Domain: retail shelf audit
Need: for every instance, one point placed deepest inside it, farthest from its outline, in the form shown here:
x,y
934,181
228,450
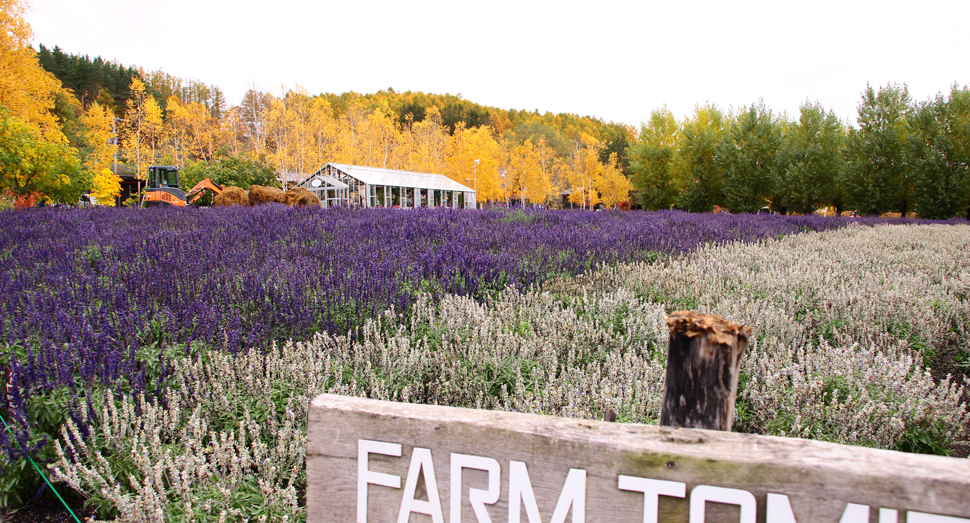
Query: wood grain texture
x,y
702,370
818,478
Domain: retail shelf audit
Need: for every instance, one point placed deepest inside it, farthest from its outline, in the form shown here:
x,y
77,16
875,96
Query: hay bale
x,y
301,197
260,194
231,196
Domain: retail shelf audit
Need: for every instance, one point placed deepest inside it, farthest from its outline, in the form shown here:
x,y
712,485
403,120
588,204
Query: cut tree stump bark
x,y
702,370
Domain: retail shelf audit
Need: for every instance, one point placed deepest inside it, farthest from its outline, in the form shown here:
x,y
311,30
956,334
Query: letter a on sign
x,y
421,464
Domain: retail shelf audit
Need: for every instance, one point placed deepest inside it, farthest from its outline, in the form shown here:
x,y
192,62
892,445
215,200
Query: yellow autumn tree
x,y
349,142
299,120
176,129
98,153
613,186
379,141
26,89
473,160
232,129
584,170
35,158
191,132
301,133
428,143
528,178
154,131
324,132
143,121
278,135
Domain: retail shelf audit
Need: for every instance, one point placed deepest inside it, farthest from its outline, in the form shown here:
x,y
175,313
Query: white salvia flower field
x,y
847,324
851,329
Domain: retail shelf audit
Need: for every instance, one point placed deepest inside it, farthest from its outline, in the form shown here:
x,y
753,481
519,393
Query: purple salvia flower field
x,y
87,288
105,303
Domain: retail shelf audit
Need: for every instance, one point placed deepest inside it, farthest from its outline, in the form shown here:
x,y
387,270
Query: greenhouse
x,y
341,184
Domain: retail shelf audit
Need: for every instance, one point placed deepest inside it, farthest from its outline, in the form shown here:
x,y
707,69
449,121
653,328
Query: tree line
x,y
157,118
902,157
65,119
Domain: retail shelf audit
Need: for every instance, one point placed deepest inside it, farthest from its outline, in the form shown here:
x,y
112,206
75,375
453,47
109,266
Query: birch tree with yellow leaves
x,y
299,118
323,128
613,186
474,159
528,177
142,123
379,141
585,171
98,153
428,143
279,143
192,131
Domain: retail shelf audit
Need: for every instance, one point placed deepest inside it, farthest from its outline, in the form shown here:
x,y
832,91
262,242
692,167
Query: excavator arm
x,y
200,188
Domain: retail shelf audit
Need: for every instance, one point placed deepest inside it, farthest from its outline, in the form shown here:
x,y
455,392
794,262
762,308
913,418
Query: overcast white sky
x,y
615,60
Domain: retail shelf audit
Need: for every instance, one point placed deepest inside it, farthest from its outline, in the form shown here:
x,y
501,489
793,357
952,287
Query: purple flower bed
x,y
98,283
85,290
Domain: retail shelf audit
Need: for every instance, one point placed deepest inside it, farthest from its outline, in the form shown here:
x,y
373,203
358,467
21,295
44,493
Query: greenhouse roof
x,y
397,178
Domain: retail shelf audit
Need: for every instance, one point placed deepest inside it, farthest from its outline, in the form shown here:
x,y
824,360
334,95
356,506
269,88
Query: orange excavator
x,y
200,189
163,188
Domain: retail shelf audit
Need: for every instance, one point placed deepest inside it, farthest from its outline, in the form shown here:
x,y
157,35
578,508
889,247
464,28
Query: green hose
x,y
43,476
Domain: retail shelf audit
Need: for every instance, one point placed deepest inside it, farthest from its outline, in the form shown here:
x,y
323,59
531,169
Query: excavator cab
x,y
163,176
163,187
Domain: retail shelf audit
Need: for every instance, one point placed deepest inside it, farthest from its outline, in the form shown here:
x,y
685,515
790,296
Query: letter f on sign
x,y
364,476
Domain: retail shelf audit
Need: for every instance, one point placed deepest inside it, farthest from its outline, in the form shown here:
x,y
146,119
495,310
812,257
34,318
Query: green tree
x,y
652,160
617,142
876,180
697,162
233,170
108,83
939,147
807,178
535,131
463,111
32,163
746,154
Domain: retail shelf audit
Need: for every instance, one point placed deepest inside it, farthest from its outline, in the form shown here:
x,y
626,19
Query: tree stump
x,y
702,370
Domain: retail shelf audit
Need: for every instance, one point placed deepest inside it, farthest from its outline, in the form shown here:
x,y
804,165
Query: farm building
x,y
341,184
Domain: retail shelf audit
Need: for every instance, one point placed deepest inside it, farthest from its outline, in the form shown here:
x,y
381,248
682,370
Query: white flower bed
x,y
842,322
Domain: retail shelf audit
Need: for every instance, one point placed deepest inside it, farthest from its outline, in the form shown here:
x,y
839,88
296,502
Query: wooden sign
x,y
372,461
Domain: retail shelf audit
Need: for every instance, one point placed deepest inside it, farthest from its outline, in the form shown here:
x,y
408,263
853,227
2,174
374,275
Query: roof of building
x,y
333,182
396,178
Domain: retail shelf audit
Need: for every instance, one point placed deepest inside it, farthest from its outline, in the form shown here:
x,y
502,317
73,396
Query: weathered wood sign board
x,y
371,461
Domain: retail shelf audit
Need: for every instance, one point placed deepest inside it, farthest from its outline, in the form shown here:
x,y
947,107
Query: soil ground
x,y
46,511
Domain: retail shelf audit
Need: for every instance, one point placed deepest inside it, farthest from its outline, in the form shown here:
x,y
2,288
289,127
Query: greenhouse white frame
x,y
342,184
